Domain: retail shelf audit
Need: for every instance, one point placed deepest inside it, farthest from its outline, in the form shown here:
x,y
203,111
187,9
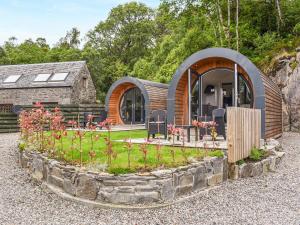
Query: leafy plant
x,y
109,152
144,150
128,146
240,162
216,153
21,146
256,154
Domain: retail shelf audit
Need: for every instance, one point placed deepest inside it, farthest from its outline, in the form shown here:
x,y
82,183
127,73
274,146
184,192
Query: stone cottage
x,y
60,83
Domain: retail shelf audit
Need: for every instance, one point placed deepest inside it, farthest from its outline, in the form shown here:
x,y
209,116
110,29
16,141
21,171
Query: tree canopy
x,y
150,43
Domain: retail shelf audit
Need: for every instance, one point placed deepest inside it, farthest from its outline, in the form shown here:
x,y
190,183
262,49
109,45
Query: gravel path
x,y
269,199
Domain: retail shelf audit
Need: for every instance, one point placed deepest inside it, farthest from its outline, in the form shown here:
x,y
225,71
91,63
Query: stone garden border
x,y
154,189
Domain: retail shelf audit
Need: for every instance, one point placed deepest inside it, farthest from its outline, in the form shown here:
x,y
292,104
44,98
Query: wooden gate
x,y
243,132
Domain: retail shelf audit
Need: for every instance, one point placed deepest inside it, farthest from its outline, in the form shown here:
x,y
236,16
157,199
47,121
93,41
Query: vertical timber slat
x,y
244,132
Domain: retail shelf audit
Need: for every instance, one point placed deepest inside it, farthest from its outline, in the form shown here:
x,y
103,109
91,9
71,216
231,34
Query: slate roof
x,y
30,71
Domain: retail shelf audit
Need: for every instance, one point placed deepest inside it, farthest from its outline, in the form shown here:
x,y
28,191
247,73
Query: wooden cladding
x,y
243,132
155,96
114,102
273,98
273,110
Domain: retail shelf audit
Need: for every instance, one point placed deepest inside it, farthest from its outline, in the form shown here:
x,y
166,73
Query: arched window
x,y
132,106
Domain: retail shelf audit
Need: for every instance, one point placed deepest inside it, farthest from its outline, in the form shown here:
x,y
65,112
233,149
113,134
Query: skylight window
x,y
59,77
12,79
42,77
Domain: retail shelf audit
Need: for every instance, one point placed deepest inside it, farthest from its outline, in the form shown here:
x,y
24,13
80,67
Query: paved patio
x,y
191,144
125,127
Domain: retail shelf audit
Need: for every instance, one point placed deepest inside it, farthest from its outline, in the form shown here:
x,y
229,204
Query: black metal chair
x,y
157,123
86,118
218,117
17,109
100,118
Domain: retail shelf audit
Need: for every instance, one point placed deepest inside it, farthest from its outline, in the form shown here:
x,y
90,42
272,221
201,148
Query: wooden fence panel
x,y
243,132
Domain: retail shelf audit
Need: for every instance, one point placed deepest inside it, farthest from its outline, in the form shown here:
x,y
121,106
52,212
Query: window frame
x,y
39,81
12,82
53,75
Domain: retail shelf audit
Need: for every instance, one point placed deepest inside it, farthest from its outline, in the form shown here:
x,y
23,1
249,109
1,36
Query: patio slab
x,y
192,144
119,128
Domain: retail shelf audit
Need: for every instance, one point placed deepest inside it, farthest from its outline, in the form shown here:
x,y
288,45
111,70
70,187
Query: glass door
x,y
139,107
132,106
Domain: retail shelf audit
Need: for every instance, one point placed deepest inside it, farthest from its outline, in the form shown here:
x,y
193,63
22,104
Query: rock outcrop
x,y
287,76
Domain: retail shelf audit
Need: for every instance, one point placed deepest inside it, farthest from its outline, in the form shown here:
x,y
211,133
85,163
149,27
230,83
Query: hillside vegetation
x,y
150,43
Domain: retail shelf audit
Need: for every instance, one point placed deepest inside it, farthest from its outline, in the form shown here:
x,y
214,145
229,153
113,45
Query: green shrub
x,y
256,154
120,170
296,29
240,162
216,153
21,147
293,65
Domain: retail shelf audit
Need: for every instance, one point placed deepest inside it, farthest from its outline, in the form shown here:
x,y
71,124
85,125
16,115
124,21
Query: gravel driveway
x,y
269,199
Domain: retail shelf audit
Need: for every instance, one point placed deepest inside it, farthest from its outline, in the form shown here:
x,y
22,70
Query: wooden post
x,y
189,97
235,85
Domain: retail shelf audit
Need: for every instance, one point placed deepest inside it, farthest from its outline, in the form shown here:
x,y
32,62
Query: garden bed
x,y
102,169
158,186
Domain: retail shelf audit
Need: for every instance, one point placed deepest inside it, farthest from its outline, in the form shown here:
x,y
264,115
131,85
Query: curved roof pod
x,y
154,93
212,58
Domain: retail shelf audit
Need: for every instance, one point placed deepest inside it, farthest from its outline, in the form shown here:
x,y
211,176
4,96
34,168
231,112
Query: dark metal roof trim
x,y
236,57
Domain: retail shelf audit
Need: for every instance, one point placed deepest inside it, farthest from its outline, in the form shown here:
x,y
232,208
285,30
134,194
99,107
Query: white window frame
x,y
17,77
42,74
60,80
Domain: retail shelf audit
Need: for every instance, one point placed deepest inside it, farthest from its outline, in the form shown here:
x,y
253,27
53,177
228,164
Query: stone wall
x,y
84,90
62,95
161,186
252,169
154,187
287,76
79,93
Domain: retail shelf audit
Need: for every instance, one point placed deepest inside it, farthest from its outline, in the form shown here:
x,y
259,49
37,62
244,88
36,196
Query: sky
x,y
51,19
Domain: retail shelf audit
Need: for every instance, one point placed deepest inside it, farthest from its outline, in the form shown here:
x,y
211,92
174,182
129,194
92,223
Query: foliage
x,y
120,170
45,131
256,154
150,43
128,146
240,162
144,150
216,153
21,146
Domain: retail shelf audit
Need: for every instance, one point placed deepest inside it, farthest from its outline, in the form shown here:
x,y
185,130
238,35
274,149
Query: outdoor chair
x,y
157,123
96,118
17,109
86,118
218,117
100,118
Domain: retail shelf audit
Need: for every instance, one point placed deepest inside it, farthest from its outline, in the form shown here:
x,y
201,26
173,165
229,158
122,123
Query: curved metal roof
x,y
253,72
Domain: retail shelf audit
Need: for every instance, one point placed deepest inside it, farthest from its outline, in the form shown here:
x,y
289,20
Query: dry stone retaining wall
x,y
157,186
160,186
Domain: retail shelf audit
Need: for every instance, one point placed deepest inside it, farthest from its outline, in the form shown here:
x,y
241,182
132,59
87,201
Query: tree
x,y
237,25
71,40
127,35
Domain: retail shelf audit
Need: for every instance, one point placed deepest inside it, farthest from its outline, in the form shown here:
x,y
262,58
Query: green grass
x,y
120,163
